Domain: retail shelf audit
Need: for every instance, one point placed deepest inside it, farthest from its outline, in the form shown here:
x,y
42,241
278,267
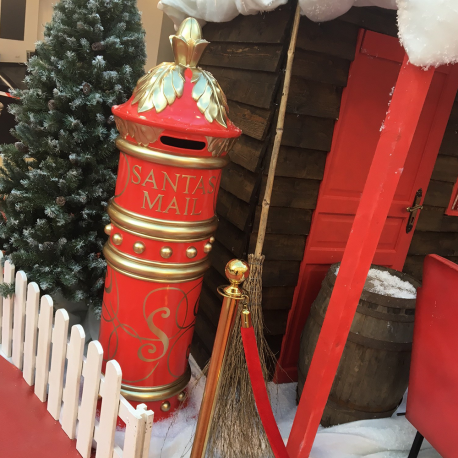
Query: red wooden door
x,y
365,102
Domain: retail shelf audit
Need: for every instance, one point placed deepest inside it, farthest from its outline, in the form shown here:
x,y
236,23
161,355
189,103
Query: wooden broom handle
x,y
278,137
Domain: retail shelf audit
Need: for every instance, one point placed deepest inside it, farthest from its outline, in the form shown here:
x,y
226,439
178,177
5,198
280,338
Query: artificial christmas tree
x,y
57,179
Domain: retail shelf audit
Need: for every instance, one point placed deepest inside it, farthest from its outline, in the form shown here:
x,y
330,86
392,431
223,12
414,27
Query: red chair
x,y
432,402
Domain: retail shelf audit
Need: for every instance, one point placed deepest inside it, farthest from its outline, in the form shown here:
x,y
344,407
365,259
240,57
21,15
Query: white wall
x,y
152,23
44,16
15,50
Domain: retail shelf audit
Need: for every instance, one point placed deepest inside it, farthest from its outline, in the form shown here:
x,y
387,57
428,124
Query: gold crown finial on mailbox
x,y
188,44
163,84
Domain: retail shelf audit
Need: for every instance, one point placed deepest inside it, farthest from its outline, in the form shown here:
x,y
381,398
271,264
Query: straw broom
x,y
237,430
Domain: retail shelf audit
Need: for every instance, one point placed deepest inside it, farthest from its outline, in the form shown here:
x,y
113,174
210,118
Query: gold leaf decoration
x,y
209,96
162,85
159,87
217,146
144,135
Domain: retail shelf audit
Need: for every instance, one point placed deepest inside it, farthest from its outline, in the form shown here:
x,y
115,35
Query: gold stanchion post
x,y
237,272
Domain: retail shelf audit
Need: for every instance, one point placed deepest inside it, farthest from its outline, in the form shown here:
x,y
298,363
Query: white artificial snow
x,y
384,438
426,27
427,30
386,284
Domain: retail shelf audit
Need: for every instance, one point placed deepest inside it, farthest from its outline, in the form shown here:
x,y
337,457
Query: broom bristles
x,y
237,429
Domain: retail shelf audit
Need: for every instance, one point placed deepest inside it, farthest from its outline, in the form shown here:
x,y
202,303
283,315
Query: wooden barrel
x,y
374,370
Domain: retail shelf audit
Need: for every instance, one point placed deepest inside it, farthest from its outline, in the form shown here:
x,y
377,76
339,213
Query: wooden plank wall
x,y
436,232
247,56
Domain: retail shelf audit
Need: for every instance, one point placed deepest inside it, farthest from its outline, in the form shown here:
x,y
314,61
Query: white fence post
x,y
27,333
7,319
86,415
31,332
110,390
148,417
19,319
135,430
44,347
71,393
59,351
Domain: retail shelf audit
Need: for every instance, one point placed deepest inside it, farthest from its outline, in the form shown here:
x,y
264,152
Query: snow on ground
x,y
426,27
386,284
384,438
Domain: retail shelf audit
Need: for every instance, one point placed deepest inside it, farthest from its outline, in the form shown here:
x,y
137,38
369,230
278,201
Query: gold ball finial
x,y
237,271
190,29
188,44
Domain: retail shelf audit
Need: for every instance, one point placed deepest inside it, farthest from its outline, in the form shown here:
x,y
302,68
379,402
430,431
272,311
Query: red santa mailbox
x,y
174,138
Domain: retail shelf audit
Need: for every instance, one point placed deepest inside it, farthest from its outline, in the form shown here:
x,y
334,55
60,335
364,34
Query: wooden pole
x,y
278,137
399,128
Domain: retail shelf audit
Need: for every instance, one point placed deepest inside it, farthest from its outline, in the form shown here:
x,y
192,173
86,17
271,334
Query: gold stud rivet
x,y
117,239
165,406
166,252
108,229
212,239
139,248
208,247
191,252
182,396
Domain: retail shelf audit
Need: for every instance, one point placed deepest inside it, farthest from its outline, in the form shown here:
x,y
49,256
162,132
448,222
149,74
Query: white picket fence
x,y
27,335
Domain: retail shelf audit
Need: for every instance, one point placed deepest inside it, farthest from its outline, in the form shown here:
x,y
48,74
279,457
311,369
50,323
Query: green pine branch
x,y
57,178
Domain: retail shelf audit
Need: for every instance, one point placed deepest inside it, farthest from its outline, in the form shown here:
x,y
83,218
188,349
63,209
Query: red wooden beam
x,y
400,123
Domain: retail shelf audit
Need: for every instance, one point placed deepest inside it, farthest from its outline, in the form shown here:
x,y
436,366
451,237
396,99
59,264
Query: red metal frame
x,y
395,140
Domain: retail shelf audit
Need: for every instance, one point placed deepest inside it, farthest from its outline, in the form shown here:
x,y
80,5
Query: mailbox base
x,y
163,400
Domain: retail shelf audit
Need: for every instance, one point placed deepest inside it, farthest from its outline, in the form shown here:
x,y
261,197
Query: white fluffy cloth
x,y
325,10
215,10
427,28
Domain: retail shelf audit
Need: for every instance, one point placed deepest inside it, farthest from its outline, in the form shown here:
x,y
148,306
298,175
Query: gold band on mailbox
x,y
156,229
174,160
156,393
161,272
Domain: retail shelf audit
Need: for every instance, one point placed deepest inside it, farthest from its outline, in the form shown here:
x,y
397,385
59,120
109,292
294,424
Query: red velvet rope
x,y
260,393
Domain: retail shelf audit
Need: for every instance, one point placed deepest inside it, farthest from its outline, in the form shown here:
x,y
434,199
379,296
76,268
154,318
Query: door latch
x,y
414,209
